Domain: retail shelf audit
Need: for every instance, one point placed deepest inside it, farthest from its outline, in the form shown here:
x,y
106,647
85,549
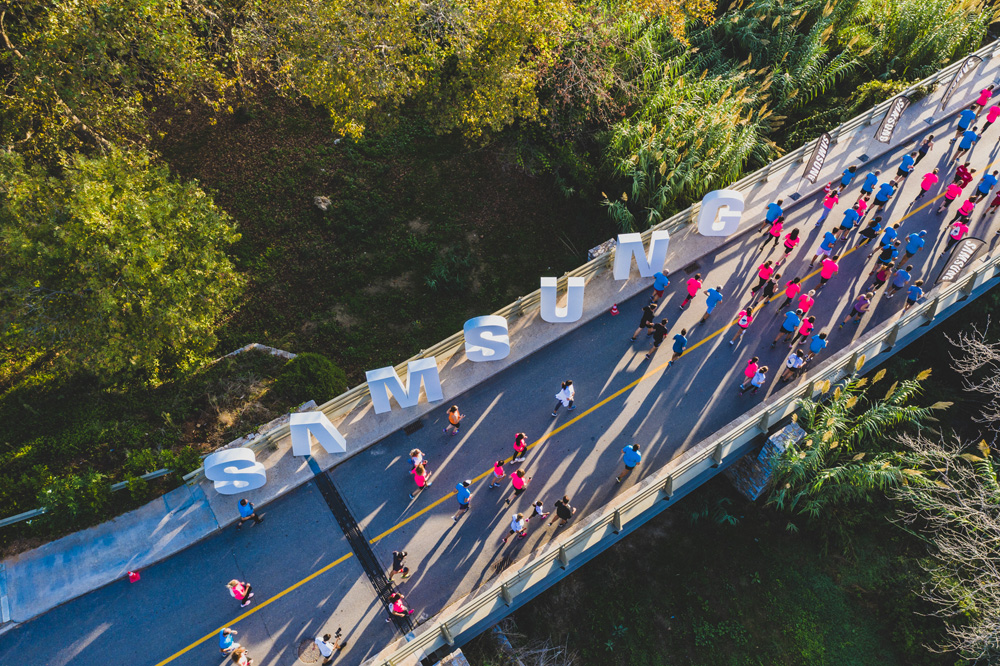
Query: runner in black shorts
x,y
659,332
397,564
646,322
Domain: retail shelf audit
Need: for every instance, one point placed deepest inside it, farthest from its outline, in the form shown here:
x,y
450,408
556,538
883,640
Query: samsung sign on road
x,y
818,157
963,254
888,126
486,339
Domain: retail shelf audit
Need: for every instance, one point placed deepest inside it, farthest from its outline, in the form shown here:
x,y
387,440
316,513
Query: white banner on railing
x,y
962,255
818,157
971,63
888,126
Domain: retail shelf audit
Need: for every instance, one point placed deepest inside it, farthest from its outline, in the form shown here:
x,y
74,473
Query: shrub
x,y
310,376
76,499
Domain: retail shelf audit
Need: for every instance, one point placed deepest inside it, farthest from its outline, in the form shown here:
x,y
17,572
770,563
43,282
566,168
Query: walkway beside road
x,y
305,573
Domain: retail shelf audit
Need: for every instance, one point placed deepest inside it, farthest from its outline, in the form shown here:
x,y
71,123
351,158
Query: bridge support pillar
x,y
717,455
506,595
562,557
890,341
668,487
446,634
616,521
932,310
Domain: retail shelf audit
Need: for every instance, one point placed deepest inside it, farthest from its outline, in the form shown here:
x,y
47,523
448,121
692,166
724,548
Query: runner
x,y
758,380
773,234
956,233
563,511
994,204
816,345
805,330
646,322
848,176
631,457
983,99
991,117
986,184
806,301
454,420
859,309
567,392
240,591
906,165
969,138
792,289
965,119
964,211
963,176
397,565
924,147
829,201
247,512
888,238
693,286
769,289
743,320
660,282
851,220
882,275
887,257
914,243
660,331
764,271
398,607
900,279
826,246
871,232
241,657
713,298
789,326
929,180
793,364
680,344
774,212
913,294
464,497
421,477
871,181
885,192
326,648
950,194
519,526
498,474
519,483
749,371
538,509
862,204
416,457
520,446
828,270
226,643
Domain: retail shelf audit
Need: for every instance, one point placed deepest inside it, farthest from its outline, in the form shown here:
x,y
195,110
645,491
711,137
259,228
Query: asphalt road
x,y
183,599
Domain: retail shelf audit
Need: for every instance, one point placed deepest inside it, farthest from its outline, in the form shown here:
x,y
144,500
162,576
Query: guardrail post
x,y
668,487
717,455
890,341
871,117
932,310
968,287
810,389
852,365
616,521
562,557
516,312
765,421
446,634
505,594
803,153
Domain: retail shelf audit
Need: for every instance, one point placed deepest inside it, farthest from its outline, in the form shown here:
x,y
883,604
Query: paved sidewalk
x,y
183,599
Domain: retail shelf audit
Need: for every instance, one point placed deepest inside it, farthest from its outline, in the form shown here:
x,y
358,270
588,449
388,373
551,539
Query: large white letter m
x,y
385,381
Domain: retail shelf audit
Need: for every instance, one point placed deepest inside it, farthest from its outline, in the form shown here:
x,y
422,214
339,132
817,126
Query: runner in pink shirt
x,y
750,370
829,201
806,301
929,181
965,211
693,285
829,269
984,98
805,330
950,195
764,271
991,117
743,320
774,233
792,290
862,206
956,233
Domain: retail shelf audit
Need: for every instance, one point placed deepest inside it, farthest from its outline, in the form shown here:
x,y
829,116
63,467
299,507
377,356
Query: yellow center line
x,y
650,374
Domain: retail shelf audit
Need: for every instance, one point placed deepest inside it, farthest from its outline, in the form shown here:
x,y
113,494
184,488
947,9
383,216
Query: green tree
x,y
113,265
827,472
83,74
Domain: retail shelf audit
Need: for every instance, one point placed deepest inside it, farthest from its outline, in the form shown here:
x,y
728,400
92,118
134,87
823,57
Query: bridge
x,y
319,560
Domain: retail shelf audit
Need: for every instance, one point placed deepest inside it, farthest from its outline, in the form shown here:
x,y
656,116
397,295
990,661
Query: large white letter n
x,y
630,245
385,381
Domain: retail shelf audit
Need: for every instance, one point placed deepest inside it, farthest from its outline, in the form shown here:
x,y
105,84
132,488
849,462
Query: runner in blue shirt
x,y
789,326
899,280
888,237
816,345
965,119
774,211
885,191
969,137
631,457
226,643
714,298
913,294
848,176
871,180
660,282
464,497
906,166
680,342
826,246
851,218
988,182
914,243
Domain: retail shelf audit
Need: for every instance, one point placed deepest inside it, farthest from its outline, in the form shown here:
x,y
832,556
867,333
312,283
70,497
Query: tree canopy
x,y
114,266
